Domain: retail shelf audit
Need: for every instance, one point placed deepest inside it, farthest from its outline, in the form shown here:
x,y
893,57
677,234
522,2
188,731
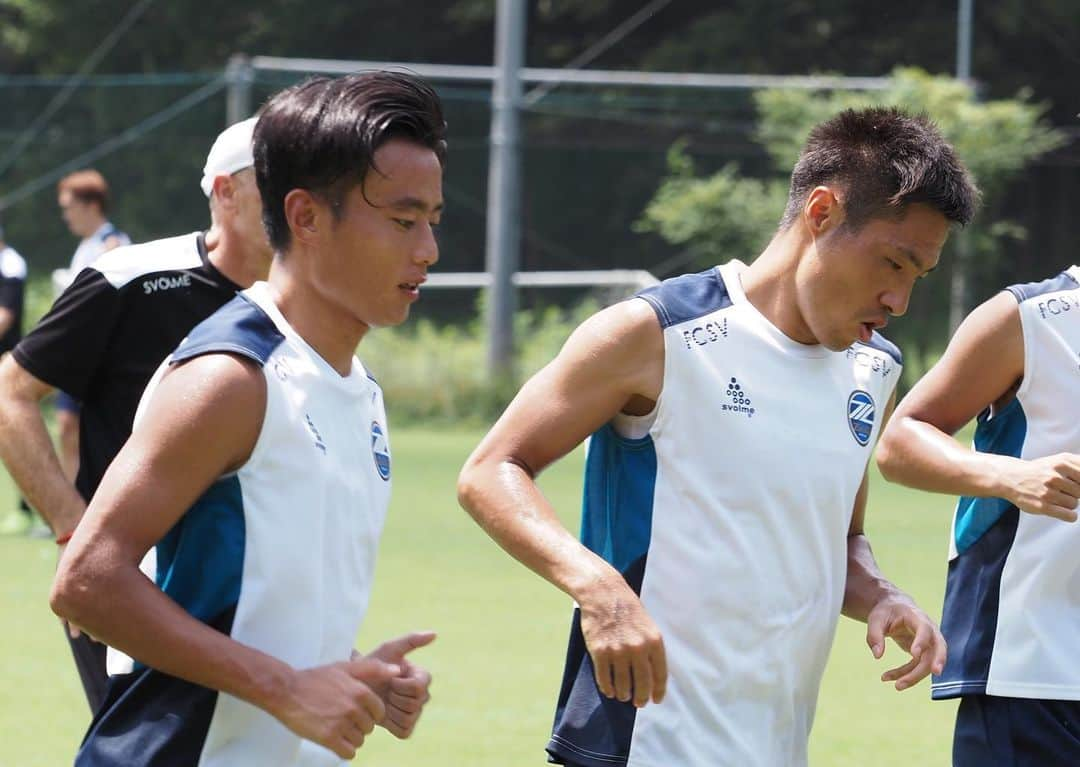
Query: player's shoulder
x,y
1065,281
122,266
12,265
241,327
881,346
687,297
626,329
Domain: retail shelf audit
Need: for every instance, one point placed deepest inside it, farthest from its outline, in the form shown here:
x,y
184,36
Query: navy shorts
x,y
65,401
992,731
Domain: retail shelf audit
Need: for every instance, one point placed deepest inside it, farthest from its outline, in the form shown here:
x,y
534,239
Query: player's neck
x,y
771,285
332,332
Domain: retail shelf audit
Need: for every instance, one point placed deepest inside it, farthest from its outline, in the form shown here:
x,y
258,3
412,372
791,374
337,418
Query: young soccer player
x,y
732,414
1012,606
259,468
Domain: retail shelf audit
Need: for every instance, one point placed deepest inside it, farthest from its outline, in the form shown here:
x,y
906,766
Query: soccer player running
x,y
106,335
259,467
1012,603
732,414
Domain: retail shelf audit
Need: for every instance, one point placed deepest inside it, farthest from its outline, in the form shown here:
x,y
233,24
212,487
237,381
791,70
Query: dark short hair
x,y
885,160
322,135
86,186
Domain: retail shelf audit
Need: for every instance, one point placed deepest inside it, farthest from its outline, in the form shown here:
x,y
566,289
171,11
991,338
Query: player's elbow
x,y
73,589
468,486
476,483
889,452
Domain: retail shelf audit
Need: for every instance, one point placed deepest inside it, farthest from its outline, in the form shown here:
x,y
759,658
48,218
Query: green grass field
x,y
502,631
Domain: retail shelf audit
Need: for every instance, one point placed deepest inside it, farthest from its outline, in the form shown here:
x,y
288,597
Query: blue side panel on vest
x,y
969,618
620,481
883,344
1002,435
151,719
984,532
1063,281
591,730
239,327
200,561
687,297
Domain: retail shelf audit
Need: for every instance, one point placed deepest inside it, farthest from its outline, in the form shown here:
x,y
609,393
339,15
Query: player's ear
x,y
823,210
304,215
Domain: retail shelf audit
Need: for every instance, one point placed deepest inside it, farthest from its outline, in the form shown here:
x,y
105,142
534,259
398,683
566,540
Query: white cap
x,y
231,152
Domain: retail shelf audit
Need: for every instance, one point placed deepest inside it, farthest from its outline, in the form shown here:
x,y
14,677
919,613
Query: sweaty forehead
x,y
405,172
921,232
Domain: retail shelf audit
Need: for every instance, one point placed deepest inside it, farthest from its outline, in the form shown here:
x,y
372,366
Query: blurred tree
x,y
593,157
716,217
726,215
55,36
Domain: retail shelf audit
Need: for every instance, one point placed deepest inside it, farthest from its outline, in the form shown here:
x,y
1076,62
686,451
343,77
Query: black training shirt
x,y
110,330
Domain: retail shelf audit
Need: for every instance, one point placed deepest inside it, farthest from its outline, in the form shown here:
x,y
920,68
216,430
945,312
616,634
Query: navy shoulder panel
x,y
1063,281
239,327
883,344
687,297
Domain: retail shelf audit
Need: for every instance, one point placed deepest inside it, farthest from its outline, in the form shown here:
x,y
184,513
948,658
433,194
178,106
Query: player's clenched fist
x,y
405,694
1049,486
626,647
336,705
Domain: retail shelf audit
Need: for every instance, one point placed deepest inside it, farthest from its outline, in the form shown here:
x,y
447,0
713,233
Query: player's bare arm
x,y
613,362
202,422
887,611
982,366
28,452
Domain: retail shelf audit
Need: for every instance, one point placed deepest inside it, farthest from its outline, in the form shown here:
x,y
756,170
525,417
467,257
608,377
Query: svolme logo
x,y
166,283
738,400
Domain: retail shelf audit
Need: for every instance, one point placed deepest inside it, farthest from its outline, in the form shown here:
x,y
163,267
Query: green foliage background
x,y
725,214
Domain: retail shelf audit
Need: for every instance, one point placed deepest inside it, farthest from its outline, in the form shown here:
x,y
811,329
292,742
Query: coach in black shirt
x,y
106,335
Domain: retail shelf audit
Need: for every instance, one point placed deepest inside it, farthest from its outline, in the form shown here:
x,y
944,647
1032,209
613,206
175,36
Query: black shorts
x,y
992,731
